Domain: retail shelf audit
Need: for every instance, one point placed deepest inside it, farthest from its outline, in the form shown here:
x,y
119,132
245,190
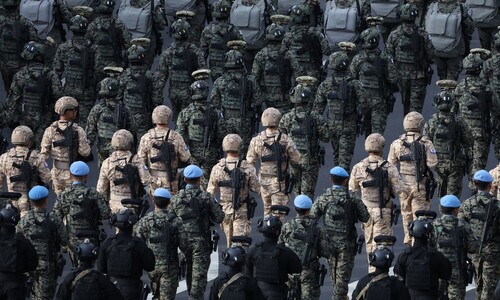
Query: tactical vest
x,y
217,47
233,94
482,11
372,67
418,269
14,35
137,94
106,33
37,90
299,47
8,255
298,239
236,290
138,20
380,289
273,68
79,69
107,123
184,62
471,103
162,143
341,22
274,147
388,9
121,258
163,239
72,3
405,49
41,13
445,29
43,237
334,218
192,212
298,132
238,175
83,211
86,287
196,130
447,232
22,170
478,215
171,7
250,21
444,136
267,267
341,99
495,77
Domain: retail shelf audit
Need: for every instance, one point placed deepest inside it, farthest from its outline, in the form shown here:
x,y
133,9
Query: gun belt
x,y
62,165
158,173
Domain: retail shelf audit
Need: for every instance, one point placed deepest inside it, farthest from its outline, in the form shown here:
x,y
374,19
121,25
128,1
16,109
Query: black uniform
x,y
245,287
123,258
386,288
270,264
17,256
421,268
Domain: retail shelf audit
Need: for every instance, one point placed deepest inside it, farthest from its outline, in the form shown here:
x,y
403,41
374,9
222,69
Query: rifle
x,y
311,239
489,223
58,21
145,86
380,181
140,206
276,155
208,11
182,268
467,38
350,219
115,40
322,274
130,177
20,34
70,141
460,244
3,144
430,185
359,243
309,129
215,240
28,286
167,156
10,195
120,115
418,156
396,211
251,205
295,292
28,175
61,262
208,123
290,181
156,30
360,122
145,291
361,23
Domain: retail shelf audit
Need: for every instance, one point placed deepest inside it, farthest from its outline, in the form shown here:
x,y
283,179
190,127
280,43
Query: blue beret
x,y
450,201
339,171
302,201
79,168
483,175
161,192
38,192
193,171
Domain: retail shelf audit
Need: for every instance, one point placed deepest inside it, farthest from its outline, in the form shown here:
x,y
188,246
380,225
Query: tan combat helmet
x,y
237,45
83,11
122,140
280,19
185,14
113,71
271,117
22,136
143,42
201,74
413,122
374,21
347,47
447,85
306,80
375,142
231,142
64,103
483,53
162,114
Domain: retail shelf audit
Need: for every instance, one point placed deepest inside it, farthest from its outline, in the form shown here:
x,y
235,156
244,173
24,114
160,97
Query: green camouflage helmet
x,y
233,60
199,90
105,6
109,87
300,13
275,32
33,51
180,29
221,9
443,100
338,61
136,54
408,12
473,63
370,38
301,94
78,24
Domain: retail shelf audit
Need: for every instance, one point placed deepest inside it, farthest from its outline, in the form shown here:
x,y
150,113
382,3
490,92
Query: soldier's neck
x,y
271,131
162,126
233,155
420,242
233,271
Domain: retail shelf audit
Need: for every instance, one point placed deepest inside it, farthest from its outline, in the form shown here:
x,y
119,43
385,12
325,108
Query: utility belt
x,y
31,109
62,165
158,173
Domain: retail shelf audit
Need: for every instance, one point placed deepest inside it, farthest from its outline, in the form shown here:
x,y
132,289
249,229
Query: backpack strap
x,y
229,282
374,279
80,276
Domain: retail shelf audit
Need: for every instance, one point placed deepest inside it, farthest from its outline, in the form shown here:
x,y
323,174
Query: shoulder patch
x,y
433,151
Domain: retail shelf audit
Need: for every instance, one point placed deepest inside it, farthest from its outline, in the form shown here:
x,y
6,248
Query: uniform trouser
x,y
272,193
449,178
103,150
236,224
448,67
179,96
244,127
375,115
413,94
130,288
8,75
37,122
309,281
487,271
61,179
377,225
413,202
277,97
205,162
343,137
159,180
197,251
480,146
45,283
164,281
454,287
12,290
306,177
340,266
486,36
143,122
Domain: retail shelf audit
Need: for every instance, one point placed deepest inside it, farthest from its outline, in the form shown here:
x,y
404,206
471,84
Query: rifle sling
x,y
80,276
229,282
374,279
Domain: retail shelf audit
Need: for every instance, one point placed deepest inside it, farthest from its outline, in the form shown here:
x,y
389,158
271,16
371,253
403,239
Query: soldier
x,y
271,263
136,84
110,38
163,151
33,92
234,178
84,282
65,142
272,69
486,19
376,181
452,139
22,253
371,67
276,152
198,210
306,128
123,174
420,267
481,211
47,234
198,124
473,101
238,96
342,95
454,239
82,208
124,257
388,13
354,10
74,63
177,63
197,13
160,230
301,234
214,38
108,116
410,52
340,210
23,167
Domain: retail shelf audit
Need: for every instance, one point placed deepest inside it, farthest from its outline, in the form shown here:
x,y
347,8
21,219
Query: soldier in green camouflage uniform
x,y
272,70
410,52
475,211
306,128
473,100
451,139
33,92
294,235
160,230
454,239
177,63
238,96
47,234
197,209
74,63
341,94
82,208
340,211
104,119
214,38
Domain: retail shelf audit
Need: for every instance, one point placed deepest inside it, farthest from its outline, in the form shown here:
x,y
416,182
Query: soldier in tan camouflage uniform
x,y
163,172
367,177
237,219
274,167
55,144
23,139
402,153
113,182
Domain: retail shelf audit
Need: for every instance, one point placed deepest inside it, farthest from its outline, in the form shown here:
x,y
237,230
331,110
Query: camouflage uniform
x,y
195,240
47,234
160,230
473,211
336,246
496,181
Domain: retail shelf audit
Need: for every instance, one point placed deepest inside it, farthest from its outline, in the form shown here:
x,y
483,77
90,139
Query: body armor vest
x,y
171,7
341,22
266,267
388,9
340,99
138,20
184,62
196,130
250,21
163,238
445,29
137,98
273,68
37,90
405,49
41,13
370,70
217,47
483,11
79,67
